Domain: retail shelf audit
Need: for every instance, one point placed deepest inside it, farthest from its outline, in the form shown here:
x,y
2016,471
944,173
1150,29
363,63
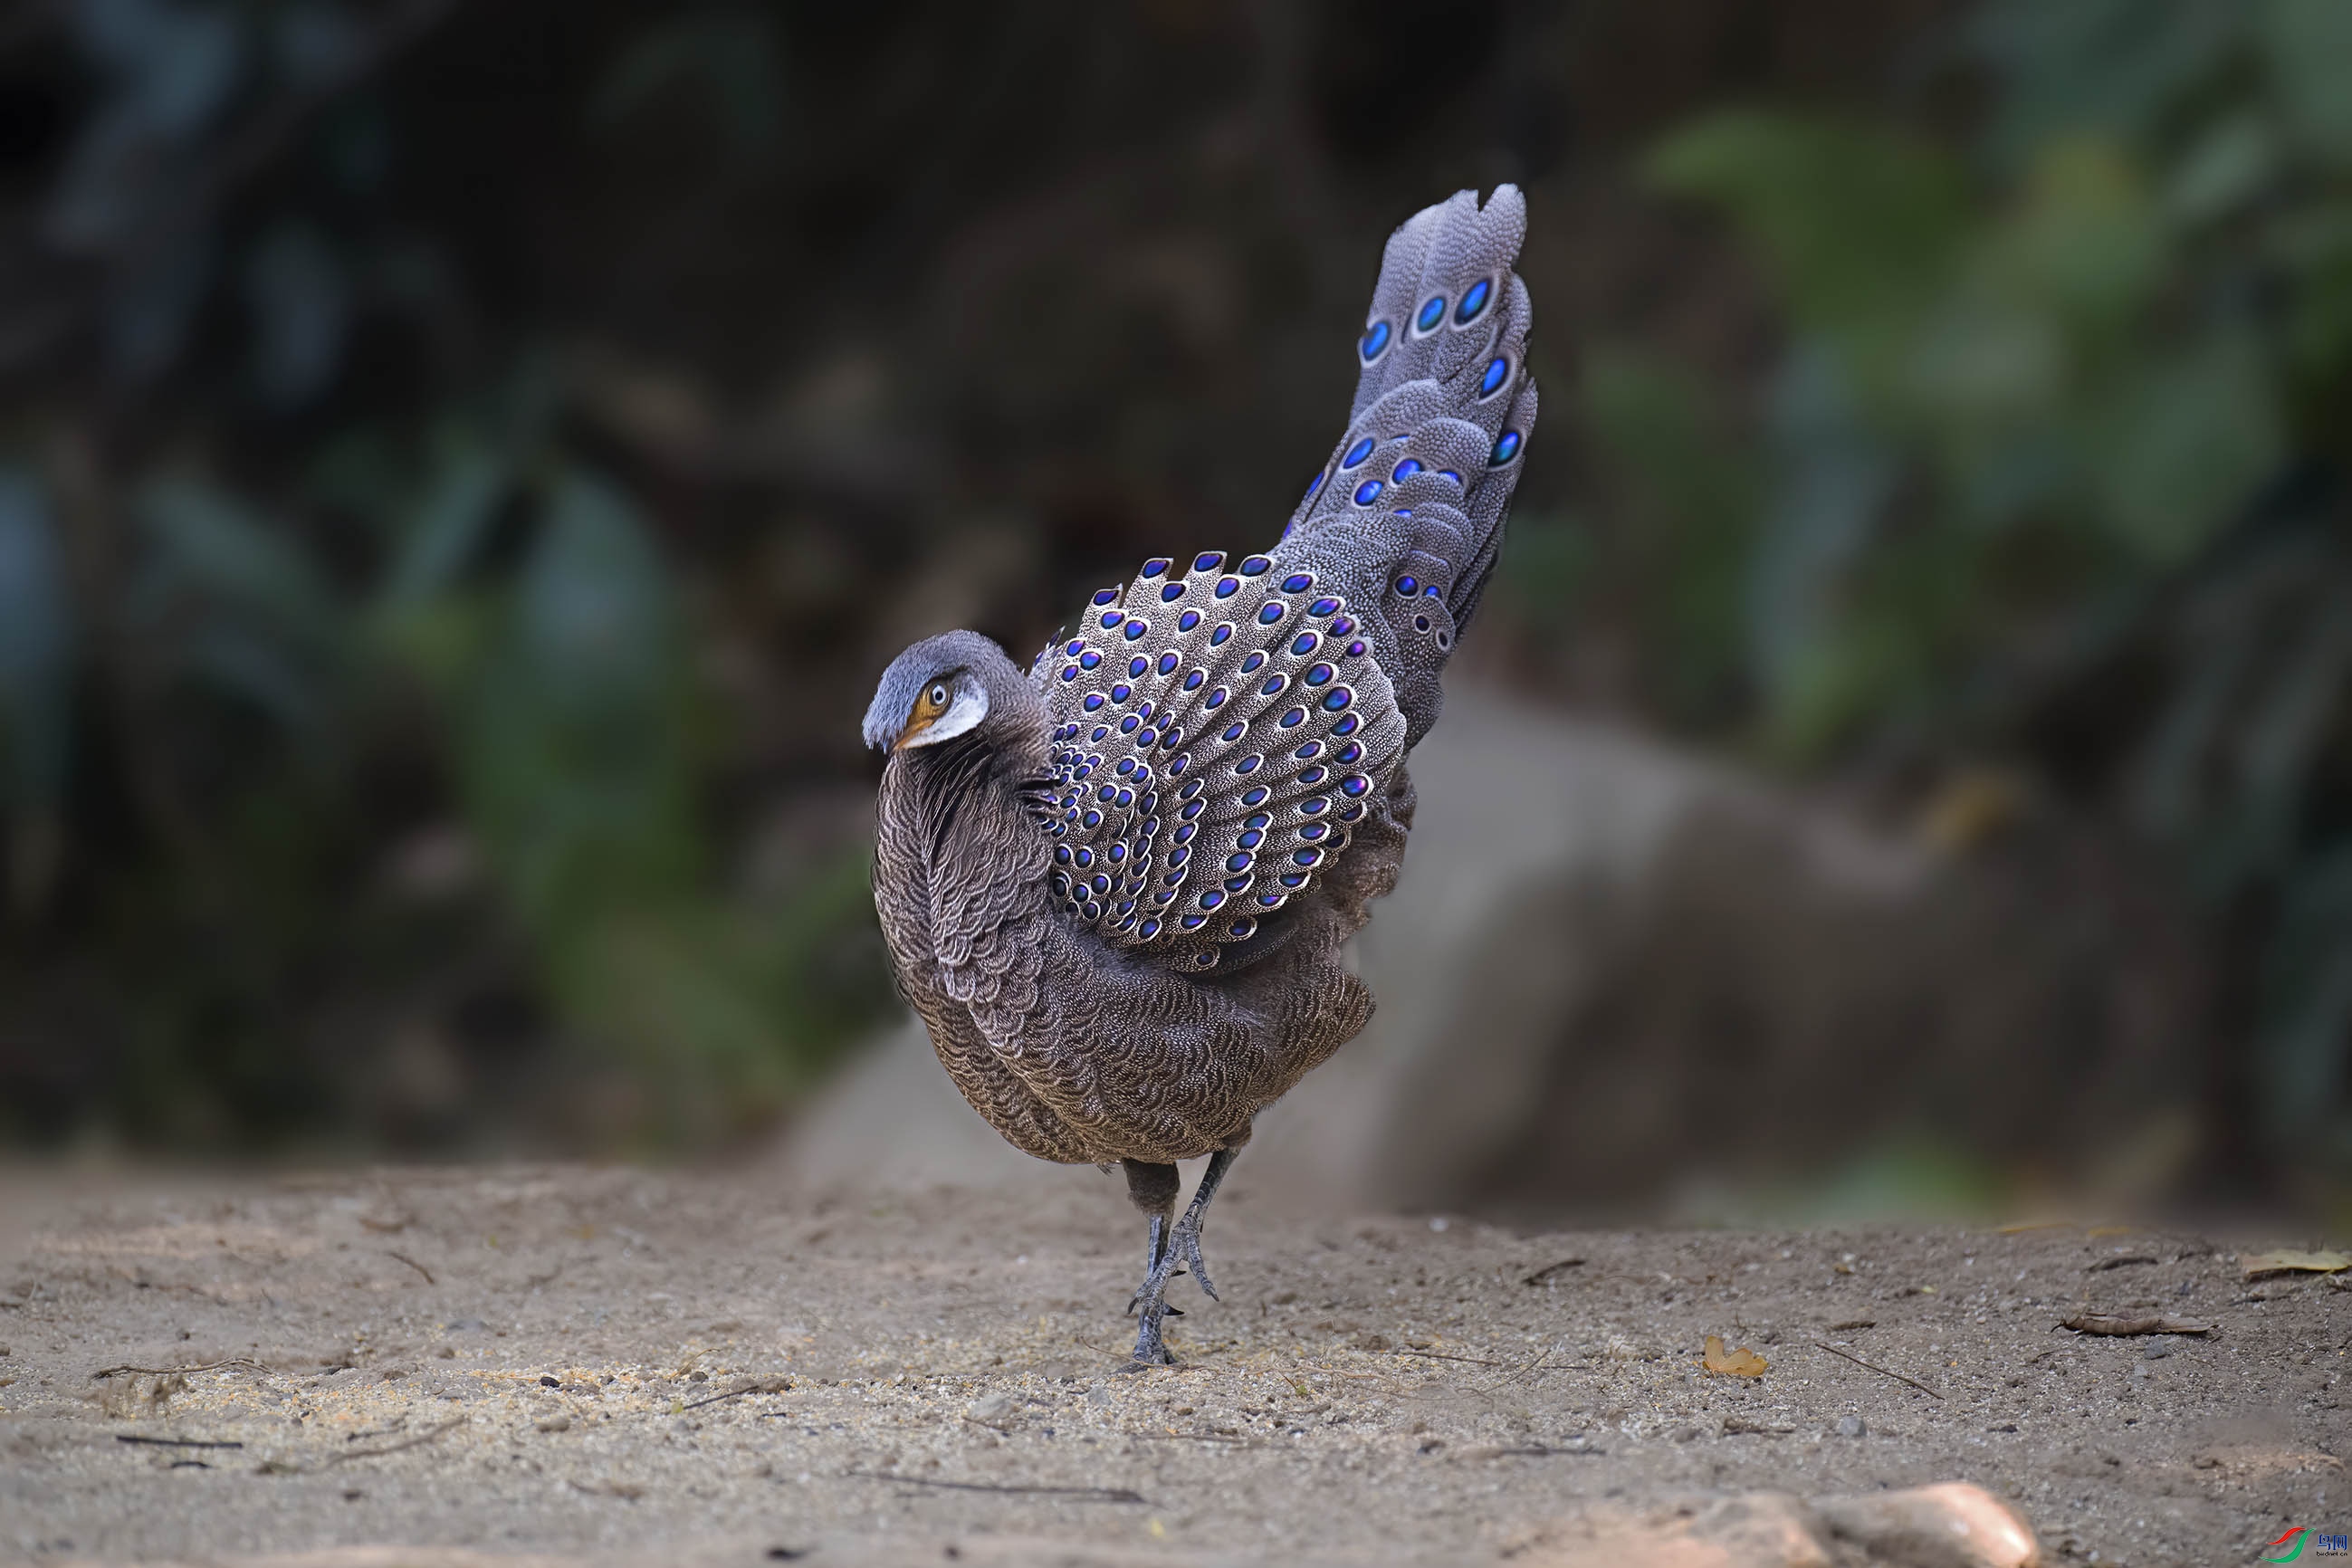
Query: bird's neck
x,y
955,822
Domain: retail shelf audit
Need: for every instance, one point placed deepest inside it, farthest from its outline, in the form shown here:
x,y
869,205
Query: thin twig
x,y
175,1371
627,1491
1548,1269
172,1442
1195,1437
1527,1369
2101,1323
1881,1370
1441,1356
1081,1494
418,1441
404,1257
757,1386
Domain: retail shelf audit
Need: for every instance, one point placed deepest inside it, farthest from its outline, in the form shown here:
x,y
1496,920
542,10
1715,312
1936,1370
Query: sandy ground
x,y
567,1363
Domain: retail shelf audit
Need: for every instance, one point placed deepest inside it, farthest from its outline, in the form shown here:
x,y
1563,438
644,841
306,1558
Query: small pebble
x,y
1850,1427
553,1424
549,1383
990,1407
2158,1349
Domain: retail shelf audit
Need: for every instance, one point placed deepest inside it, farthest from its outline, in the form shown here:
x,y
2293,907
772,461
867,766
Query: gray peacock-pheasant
x,y
1116,887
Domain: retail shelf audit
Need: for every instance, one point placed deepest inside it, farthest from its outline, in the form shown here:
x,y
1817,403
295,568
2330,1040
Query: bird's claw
x,y
1137,1300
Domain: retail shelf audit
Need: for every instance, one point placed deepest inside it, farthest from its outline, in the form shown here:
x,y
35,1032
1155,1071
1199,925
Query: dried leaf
x,y
1741,1363
2101,1323
2260,1263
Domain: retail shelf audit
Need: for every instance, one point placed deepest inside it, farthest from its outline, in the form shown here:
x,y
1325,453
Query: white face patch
x,y
967,706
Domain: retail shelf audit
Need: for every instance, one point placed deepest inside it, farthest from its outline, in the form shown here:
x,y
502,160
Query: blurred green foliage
x,y
2058,429
554,686
340,768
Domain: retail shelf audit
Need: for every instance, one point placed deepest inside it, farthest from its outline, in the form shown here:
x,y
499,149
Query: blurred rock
x,y
1951,1525
1760,1529
1612,972
893,1120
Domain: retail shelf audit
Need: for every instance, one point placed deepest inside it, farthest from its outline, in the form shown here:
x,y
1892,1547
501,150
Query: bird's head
x,y
954,684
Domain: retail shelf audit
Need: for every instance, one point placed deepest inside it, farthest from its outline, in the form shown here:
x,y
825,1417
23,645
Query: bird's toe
x,y
1188,1246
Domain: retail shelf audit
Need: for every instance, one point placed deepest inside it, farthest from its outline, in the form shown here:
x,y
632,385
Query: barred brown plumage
x,y
1114,889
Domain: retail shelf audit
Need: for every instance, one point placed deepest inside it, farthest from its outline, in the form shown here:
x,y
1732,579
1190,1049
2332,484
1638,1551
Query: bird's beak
x,y
914,728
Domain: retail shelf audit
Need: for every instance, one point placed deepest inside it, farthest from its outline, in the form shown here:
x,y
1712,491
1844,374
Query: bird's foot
x,y
1149,1305
1154,1286
1168,1265
1151,1309
1156,1264
1185,1246
1150,1349
1136,1300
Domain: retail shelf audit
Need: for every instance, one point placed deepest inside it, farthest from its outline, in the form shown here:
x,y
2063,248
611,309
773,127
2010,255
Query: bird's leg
x,y
1154,1248
1185,1243
1170,1247
1152,1188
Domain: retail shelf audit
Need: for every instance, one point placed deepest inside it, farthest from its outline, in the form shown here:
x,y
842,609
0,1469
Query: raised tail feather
x,y
1407,514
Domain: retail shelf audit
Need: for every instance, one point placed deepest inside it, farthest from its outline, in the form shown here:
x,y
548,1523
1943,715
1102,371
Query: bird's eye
x,y
930,707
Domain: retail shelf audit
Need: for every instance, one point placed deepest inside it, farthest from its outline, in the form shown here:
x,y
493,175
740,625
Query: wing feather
x,y
1215,734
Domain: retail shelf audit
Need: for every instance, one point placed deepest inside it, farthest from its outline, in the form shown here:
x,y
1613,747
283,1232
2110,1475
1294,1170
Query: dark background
x,y
462,464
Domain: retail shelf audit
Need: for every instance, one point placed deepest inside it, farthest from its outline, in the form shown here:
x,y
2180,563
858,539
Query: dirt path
x,y
568,1361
